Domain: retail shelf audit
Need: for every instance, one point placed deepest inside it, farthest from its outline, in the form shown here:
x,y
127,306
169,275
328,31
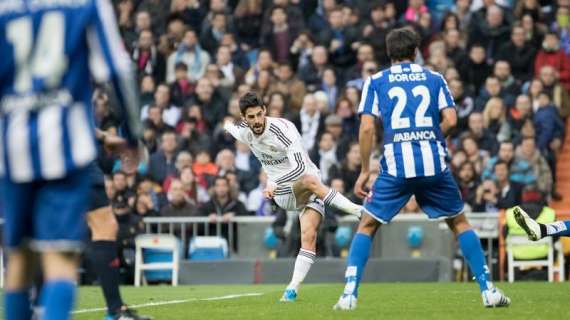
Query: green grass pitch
x,y
530,300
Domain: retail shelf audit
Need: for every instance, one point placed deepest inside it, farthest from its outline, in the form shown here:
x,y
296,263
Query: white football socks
x,y
305,260
337,200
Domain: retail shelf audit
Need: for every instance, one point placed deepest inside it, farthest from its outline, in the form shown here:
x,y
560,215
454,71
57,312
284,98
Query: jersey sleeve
x,y
109,62
235,130
445,99
369,100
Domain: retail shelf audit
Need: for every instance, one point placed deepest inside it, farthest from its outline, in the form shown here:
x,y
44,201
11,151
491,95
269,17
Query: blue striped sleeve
x,y
445,99
368,100
110,62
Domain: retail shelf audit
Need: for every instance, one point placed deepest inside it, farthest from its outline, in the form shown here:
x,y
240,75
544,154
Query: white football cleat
x,y
528,224
495,298
346,302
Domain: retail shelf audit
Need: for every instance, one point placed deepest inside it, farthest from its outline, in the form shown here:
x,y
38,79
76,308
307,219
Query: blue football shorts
x,y
438,196
46,214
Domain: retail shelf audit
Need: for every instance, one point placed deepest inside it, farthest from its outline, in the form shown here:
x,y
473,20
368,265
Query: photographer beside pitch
x,y
410,100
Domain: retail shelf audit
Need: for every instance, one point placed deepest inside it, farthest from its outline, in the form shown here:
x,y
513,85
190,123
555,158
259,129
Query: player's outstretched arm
x,y
366,141
110,62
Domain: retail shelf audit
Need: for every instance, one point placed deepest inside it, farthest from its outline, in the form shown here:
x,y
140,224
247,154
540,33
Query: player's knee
x,y
310,182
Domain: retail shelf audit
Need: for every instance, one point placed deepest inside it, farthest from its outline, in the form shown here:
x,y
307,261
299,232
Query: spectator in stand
x,y
463,12
105,119
492,32
518,115
509,192
519,53
369,68
520,170
483,137
552,55
414,10
290,86
225,161
301,50
510,87
144,206
248,19
179,204
334,125
453,48
534,33
182,89
183,159
549,133
551,84
474,70
278,36
473,153
330,88
463,103
222,208
191,53
364,53
349,169
170,113
324,154
310,122
147,58
338,38
467,181
162,163
532,7
204,168
264,63
211,37
492,89
312,73
212,104
494,119
318,21
257,203
191,12
149,137
232,74
527,151
347,112
156,120
487,197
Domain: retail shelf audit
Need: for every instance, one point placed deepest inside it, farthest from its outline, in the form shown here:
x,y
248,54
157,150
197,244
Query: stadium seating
x,y
161,242
514,241
208,248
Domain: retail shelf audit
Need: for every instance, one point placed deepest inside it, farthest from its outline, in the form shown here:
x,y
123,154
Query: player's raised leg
x,y
537,231
329,196
310,220
470,245
356,261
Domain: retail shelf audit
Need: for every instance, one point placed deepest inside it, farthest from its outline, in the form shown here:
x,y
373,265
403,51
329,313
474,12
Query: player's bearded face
x,y
255,119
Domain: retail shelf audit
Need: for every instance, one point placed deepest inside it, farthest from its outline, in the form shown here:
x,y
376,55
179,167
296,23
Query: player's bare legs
x,y
470,245
310,221
20,271
310,184
356,261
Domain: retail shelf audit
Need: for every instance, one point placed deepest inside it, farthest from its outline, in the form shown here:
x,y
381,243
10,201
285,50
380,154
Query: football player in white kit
x,y
294,182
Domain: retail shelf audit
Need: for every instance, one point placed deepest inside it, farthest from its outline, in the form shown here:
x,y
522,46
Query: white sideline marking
x,y
162,303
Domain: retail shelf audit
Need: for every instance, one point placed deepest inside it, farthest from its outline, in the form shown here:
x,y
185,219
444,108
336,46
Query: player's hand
x,y
227,217
359,187
269,190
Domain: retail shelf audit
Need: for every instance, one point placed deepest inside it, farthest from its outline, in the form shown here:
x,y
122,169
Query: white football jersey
x,y
279,149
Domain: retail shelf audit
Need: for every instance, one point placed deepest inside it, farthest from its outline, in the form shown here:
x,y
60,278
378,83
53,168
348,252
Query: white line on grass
x,y
162,303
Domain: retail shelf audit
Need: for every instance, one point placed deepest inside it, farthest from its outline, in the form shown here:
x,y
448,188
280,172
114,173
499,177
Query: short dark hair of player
x,y
402,44
250,100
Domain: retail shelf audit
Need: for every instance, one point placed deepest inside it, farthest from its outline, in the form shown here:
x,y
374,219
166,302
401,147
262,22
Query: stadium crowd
x,y
507,64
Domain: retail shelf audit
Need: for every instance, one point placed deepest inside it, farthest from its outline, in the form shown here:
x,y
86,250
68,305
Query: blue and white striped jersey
x,y
50,49
408,98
